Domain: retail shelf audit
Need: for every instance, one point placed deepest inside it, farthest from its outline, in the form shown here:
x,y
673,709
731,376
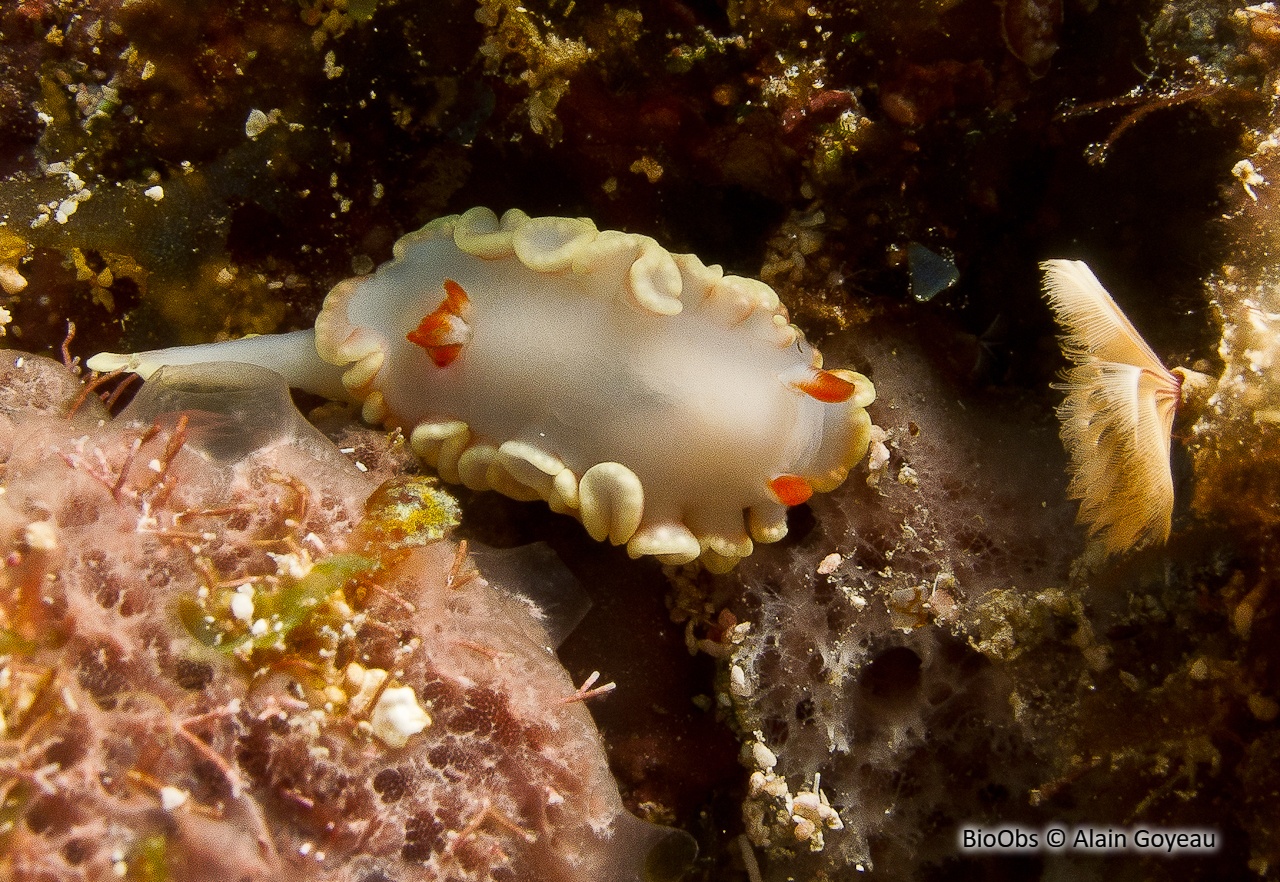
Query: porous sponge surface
x,y
198,652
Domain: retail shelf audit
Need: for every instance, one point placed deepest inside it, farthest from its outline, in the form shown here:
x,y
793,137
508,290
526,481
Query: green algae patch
x,y
240,621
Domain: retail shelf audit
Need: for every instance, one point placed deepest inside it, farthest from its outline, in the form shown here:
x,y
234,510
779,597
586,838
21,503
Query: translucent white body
x,y
583,349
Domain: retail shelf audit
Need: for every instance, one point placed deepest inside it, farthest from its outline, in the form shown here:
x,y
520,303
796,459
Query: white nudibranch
x,y
668,406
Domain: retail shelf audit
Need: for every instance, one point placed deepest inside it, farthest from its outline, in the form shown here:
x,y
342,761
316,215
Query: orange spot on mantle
x,y
791,489
827,387
444,332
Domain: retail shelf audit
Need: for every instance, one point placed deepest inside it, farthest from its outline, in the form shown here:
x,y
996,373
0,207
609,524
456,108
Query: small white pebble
x,y
259,627
171,798
397,715
242,607
66,208
155,194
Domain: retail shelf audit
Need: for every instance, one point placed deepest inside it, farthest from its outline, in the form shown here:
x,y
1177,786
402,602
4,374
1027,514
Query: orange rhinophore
x,y
444,332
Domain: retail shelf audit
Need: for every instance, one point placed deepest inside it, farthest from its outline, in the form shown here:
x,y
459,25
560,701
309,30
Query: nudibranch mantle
x,y
665,404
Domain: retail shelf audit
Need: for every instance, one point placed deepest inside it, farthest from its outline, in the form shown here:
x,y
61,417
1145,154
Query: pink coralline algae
x,y
227,653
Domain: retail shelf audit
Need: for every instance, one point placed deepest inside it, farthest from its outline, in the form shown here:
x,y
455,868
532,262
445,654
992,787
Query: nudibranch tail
x,y
671,408
291,355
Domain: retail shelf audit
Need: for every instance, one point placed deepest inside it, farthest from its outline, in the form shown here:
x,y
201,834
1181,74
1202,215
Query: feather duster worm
x,y
668,406
1117,418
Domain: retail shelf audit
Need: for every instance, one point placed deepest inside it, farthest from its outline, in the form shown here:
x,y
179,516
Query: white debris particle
x,y
42,536
259,627
804,829
155,194
1248,176
332,70
877,456
908,478
764,757
295,564
10,279
830,564
256,124
365,683
397,715
171,798
242,607
66,208
305,849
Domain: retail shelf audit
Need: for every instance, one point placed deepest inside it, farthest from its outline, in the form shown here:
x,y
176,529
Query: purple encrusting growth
x,y
222,658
